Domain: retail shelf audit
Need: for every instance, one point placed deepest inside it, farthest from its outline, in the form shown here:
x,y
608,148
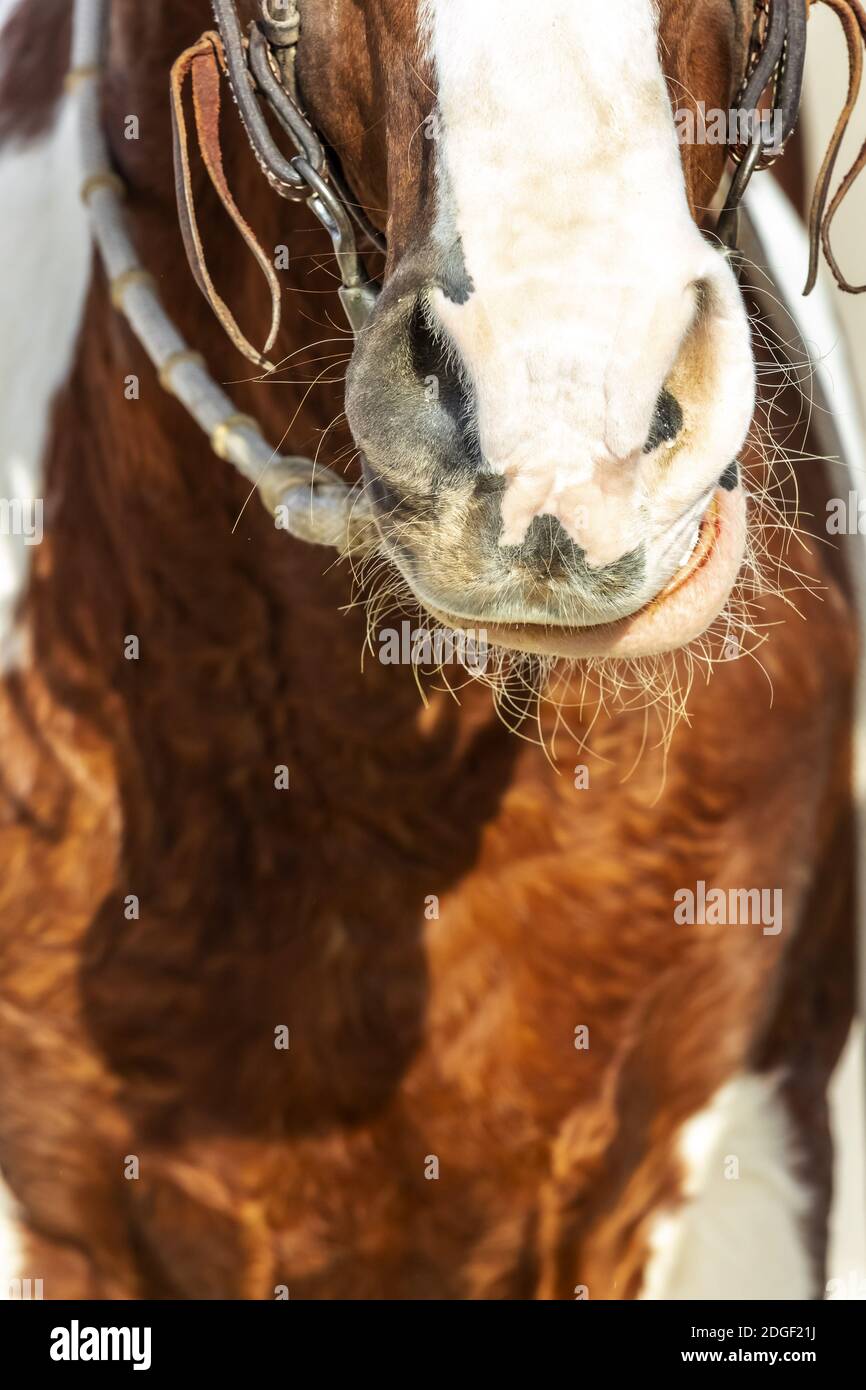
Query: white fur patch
x,y
45,259
739,1236
560,173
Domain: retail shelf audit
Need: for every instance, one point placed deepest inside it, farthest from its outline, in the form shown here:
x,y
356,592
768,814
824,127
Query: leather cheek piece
x,y
205,63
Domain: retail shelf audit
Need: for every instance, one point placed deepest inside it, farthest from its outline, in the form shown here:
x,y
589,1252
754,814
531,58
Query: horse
x,y
330,976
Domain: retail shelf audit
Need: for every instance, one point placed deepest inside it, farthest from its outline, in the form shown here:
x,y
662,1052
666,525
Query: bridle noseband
x,y
313,503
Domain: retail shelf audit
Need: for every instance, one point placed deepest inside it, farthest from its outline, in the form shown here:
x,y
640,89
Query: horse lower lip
x,y
684,609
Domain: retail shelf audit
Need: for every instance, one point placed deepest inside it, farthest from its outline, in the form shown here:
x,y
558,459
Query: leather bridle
x,y
776,61
259,67
314,504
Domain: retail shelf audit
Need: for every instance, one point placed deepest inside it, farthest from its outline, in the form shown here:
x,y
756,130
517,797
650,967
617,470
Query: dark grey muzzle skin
x,y
438,505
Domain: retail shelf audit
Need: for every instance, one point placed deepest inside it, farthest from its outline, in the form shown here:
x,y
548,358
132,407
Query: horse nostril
x,y
433,365
730,479
667,422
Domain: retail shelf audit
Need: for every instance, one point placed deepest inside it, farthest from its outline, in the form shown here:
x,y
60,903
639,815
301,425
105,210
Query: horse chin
x,y
684,609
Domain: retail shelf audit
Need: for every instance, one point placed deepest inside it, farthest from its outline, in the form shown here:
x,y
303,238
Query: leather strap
x,y
852,17
205,63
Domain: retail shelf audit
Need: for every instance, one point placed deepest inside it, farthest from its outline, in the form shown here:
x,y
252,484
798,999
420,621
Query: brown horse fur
x,y
410,1037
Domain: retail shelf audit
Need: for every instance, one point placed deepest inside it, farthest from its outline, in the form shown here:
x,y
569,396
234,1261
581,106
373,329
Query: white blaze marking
x,y
560,171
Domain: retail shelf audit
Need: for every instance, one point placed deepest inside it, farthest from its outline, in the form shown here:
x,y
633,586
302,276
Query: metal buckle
x,y
281,22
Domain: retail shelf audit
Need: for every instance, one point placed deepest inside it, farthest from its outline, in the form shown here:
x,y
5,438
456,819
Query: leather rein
x,y
315,504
